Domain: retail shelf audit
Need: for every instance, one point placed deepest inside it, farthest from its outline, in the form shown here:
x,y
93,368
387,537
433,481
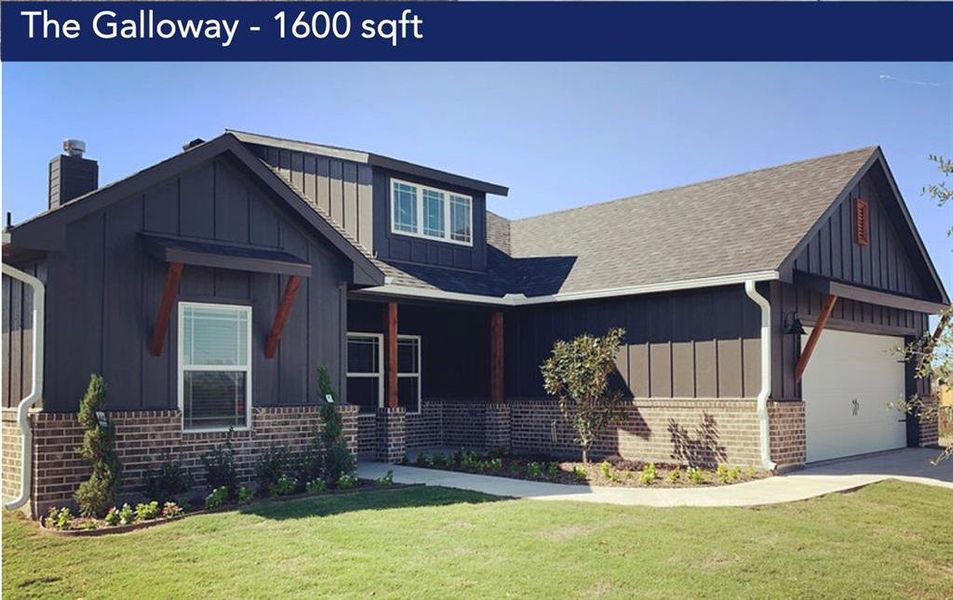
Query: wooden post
x,y
390,355
815,336
496,357
172,278
281,317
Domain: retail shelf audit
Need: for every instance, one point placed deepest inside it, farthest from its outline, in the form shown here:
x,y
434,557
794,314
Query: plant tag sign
x,y
329,398
103,420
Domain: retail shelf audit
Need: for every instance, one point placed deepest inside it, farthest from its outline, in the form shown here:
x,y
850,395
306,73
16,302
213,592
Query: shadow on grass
x,y
371,499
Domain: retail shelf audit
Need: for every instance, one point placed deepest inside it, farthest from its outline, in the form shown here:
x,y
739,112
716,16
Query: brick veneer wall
x,y
12,455
391,434
788,436
144,438
684,431
425,429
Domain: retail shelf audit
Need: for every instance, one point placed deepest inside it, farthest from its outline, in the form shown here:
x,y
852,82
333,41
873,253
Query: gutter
x,y
514,300
36,389
765,392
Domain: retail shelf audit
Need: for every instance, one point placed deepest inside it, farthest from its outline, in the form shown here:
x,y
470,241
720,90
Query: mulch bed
x,y
611,472
101,528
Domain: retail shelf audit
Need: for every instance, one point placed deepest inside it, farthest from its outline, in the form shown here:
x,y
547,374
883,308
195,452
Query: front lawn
x,y
887,540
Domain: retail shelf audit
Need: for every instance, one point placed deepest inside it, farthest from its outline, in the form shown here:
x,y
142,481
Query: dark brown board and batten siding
x,y
105,290
848,315
884,263
341,188
691,344
406,248
18,335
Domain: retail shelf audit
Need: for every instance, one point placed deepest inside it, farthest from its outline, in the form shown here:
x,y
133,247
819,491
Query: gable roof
x,y
47,230
369,158
744,223
726,230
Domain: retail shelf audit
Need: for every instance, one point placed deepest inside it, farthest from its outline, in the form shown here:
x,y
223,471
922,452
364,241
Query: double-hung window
x,y
214,366
431,213
365,358
365,371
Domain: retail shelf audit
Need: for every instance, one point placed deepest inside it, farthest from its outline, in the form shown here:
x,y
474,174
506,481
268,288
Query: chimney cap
x,y
74,147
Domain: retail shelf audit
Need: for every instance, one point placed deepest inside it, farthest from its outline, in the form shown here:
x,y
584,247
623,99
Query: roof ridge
x,y
869,149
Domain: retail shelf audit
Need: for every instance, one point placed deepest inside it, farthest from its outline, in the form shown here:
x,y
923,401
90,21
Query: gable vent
x,y
861,222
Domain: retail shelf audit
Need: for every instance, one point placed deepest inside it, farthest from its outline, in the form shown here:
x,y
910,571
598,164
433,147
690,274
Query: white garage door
x,y
848,387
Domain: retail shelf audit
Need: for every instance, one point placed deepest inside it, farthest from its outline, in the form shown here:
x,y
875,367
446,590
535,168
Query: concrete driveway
x,y
908,465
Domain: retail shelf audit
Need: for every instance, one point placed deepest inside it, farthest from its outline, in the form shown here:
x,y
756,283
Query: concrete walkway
x,y
912,464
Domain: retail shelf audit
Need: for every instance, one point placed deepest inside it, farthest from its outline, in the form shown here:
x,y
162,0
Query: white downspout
x,y
36,389
761,301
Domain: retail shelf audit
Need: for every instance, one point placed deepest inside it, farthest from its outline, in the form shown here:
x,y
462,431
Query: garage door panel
x,y
848,388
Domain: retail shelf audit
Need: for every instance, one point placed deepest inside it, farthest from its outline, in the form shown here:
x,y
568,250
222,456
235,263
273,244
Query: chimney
x,y
71,175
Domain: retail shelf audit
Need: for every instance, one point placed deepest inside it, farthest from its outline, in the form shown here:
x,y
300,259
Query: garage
x,y
848,387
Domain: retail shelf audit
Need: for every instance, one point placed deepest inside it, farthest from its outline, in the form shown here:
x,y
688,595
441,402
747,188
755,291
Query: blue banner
x,y
474,31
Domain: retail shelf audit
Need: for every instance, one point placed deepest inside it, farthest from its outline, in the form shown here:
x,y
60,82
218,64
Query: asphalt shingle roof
x,y
740,224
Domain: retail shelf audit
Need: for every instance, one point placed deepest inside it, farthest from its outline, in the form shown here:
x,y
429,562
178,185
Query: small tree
x,y
338,459
932,355
577,374
98,493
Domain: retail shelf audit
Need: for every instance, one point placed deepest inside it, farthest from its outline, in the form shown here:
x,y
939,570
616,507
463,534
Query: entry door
x,y
848,387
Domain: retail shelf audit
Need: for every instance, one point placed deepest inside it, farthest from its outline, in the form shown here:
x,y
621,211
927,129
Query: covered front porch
x,y
425,375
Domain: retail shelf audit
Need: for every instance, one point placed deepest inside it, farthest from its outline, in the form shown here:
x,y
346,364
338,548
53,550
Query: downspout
x,y
36,389
765,392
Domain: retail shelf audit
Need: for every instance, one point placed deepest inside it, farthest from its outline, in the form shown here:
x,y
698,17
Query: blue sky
x,y
559,135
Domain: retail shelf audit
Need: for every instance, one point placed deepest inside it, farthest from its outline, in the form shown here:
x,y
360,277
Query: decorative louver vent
x,y
861,222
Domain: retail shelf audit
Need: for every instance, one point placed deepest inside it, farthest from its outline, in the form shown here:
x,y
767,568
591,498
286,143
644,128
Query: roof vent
x,y
74,147
193,144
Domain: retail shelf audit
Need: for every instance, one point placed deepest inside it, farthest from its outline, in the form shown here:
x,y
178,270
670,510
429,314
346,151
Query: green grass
x,y
887,540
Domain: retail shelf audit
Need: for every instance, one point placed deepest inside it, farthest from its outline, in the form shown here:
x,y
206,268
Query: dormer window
x,y
431,213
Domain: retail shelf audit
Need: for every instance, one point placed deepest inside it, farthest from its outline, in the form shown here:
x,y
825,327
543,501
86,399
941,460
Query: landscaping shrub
x,y
284,486
273,464
386,479
220,471
217,498
97,494
168,481
580,473
112,517
171,510
534,470
338,460
347,481
577,374
726,474
648,474
696,475
674,475
315,486
146,511
58,518
245,495
126,514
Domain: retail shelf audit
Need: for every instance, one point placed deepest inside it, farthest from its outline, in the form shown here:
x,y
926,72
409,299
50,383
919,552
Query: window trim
x,y
380,361
419,233
181,366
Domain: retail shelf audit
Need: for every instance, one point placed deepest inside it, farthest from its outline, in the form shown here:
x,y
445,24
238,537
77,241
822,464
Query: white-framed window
x,y
408,372
431,213
365,371
214,366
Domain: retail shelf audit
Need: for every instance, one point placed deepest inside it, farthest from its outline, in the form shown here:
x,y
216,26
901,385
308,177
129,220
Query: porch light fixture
x,y
792,324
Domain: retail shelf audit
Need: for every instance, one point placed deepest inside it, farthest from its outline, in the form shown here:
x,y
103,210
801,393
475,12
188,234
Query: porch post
x,y
391,418
390,355
497,418
496,357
